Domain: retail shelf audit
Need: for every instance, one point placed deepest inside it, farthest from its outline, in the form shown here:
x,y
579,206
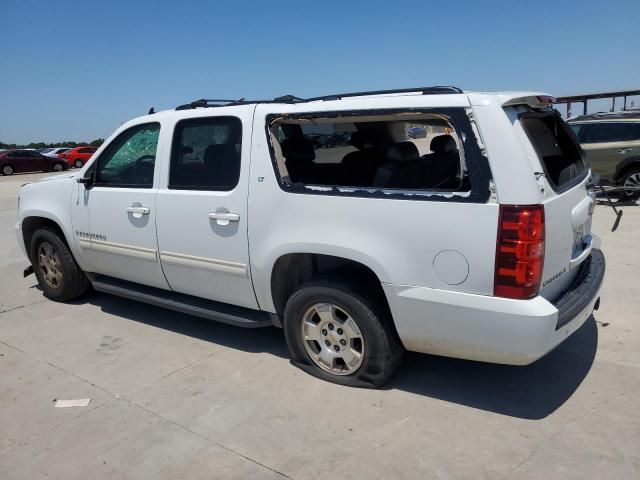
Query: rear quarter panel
x,y
398,239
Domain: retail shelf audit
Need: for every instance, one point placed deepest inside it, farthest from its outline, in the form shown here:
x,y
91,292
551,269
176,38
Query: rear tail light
x,y
519,251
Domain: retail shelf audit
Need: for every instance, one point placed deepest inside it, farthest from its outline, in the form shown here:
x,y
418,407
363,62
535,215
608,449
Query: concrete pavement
x,y
174,396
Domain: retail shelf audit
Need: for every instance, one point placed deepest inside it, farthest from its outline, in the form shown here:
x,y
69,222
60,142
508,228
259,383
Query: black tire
x,y
7,170
632,177
78,164
57,164
382,351
72,283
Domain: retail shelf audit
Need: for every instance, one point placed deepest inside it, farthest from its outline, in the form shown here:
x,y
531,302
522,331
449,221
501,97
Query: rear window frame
x,y
477,163
569,131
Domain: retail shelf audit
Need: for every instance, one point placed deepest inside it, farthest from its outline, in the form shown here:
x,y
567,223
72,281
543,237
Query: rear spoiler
x,y
534,100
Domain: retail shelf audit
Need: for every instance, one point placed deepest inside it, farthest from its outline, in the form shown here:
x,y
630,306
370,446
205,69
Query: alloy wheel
x,y
632,182
49,265
332,339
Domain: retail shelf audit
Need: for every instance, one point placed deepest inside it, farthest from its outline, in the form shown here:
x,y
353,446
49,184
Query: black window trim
x,y
175,143
477,163
96,160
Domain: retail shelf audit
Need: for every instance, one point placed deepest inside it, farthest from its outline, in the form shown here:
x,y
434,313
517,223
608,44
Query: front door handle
x,y
622,151
139,210
223,218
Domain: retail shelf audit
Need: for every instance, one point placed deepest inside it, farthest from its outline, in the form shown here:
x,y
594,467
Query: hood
x,y
57,177
54,178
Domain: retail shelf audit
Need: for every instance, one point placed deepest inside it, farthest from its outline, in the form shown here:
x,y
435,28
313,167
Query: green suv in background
x,y
611,142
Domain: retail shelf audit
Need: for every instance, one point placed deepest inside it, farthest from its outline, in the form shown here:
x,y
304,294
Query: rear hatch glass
x,y
557,148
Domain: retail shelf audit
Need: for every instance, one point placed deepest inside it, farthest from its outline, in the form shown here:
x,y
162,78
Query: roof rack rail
x,y
288,99
207,102
620,115
435,90
211,102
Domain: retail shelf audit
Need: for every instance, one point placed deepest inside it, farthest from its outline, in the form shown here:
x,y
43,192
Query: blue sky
x,y
77,70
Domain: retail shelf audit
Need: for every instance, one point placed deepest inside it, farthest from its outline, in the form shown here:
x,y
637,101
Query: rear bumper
x,y
585,287
492,329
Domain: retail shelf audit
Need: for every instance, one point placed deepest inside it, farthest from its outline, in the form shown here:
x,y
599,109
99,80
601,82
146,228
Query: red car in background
x,y
18,161
78,156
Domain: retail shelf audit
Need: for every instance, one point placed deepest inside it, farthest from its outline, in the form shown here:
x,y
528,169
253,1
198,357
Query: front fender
x,y
50,200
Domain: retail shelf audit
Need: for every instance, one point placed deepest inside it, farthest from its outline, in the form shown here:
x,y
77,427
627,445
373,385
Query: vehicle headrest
x,y
298,149
219,153
443,144
403,152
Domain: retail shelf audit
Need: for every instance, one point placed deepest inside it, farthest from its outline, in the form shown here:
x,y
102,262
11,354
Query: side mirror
x,y
87,179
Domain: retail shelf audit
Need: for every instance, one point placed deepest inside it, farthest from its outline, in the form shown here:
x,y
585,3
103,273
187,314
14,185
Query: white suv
x,y
470,238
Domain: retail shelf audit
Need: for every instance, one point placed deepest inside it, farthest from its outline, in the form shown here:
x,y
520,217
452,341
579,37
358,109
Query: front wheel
x,y
57,167
630,181
7,170
341,335
57,272
78,164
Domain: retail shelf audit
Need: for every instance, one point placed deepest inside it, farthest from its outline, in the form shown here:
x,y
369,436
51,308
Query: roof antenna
x,y
151,111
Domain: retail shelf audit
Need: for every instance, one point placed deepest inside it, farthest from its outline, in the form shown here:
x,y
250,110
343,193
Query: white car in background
x,y
54,152
473,241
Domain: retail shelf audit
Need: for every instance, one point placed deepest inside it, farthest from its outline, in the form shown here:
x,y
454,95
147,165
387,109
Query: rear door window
x,y
205,154
557,148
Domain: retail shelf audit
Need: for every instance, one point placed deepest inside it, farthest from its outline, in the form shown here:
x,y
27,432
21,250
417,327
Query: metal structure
x,y
593,96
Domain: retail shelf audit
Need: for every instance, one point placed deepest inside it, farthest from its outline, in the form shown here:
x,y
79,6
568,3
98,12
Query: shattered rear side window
x,y
409,152
428,154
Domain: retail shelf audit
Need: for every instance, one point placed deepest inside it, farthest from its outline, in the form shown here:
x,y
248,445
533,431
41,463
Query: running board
x,y
200,307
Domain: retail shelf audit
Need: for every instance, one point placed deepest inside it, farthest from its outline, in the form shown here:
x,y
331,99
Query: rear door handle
x,y
622,151
223,218
139,210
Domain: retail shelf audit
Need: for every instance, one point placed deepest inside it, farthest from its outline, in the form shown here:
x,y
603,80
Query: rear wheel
x,y
7,170
78,164
630,181
339,334
57,272
57,167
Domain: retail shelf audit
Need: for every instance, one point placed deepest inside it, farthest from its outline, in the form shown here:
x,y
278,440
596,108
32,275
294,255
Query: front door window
x,y
130,159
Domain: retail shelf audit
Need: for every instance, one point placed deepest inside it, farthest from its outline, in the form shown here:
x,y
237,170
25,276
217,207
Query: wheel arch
x,y
626,165
32,223
291,270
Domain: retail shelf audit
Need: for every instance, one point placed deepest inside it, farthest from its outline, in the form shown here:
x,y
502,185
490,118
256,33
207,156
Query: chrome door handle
x,y
223,218
622,151
139,210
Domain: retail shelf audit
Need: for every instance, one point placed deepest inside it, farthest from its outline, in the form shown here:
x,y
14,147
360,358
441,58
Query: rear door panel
x,y
202,253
